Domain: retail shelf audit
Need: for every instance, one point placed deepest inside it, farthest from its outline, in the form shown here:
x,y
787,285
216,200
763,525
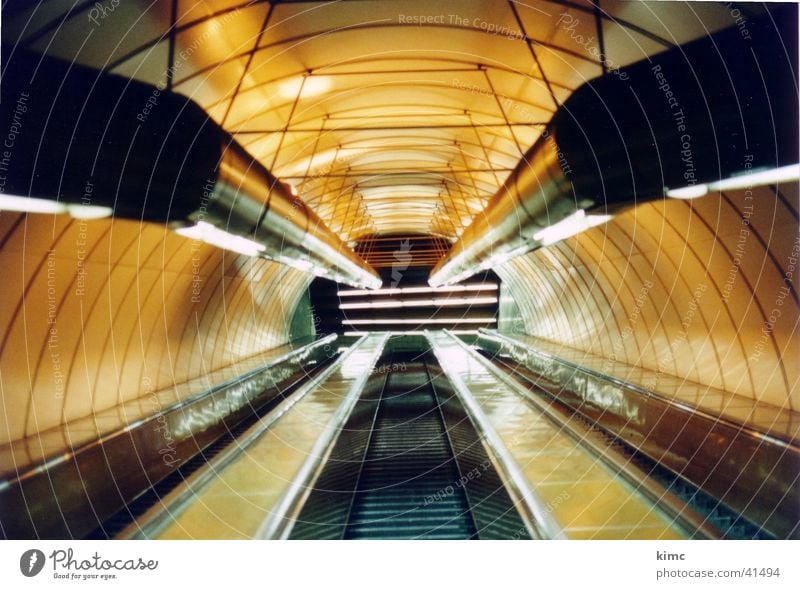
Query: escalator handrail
x,y
279,524
694,523
743,428
152,522
532,508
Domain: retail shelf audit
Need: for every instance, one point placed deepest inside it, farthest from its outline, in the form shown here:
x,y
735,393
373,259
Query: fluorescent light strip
x,y
211,235
418,290
445,302
688,192
413,332
415,321
88,212
303,265
576,223
758,178
748,180
25,204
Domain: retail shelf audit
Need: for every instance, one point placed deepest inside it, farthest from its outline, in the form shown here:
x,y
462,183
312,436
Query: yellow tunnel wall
x,y
703,290
96,313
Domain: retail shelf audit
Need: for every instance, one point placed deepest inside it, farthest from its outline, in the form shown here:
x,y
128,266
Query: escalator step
x,y
408,483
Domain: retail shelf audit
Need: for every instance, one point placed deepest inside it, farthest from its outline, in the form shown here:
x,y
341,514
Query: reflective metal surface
x,y
254,489
536,195
626,138
571,490
114,456
247,200
737,461
173,164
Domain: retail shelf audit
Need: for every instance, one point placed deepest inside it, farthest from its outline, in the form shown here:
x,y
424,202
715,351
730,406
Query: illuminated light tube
x,y
416,321
420,303
758,178
412,332
504,257
747,180
688,192
418,290
26,204
572,225
310,86
209,234
87,212
303,265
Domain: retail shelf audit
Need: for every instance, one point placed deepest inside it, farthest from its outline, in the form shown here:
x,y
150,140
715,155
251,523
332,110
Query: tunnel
x,y
399,270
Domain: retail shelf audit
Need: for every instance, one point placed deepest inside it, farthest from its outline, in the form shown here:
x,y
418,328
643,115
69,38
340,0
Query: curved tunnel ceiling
x,y
389,127
384,117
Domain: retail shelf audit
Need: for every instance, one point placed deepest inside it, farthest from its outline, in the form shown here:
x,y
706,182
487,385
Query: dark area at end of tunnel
x,y
403,304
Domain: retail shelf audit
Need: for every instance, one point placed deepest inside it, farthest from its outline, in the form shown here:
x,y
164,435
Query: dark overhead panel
x,y
91,139
698,114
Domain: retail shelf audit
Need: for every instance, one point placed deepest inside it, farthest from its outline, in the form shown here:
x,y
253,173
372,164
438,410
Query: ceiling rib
x,y
250,56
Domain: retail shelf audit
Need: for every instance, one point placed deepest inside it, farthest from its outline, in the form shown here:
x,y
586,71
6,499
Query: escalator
x,y
443,444
409,483
408,465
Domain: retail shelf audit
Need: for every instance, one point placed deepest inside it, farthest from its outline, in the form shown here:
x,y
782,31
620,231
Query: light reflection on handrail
x,y
154,521
511,346
356,364
694,523
532,508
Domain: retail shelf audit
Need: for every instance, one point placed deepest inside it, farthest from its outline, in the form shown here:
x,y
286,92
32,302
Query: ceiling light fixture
x,y
688,192
472,320
313,86
211,235
27,204
572,225
417,290
442,302
412,332
749,179
758,178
